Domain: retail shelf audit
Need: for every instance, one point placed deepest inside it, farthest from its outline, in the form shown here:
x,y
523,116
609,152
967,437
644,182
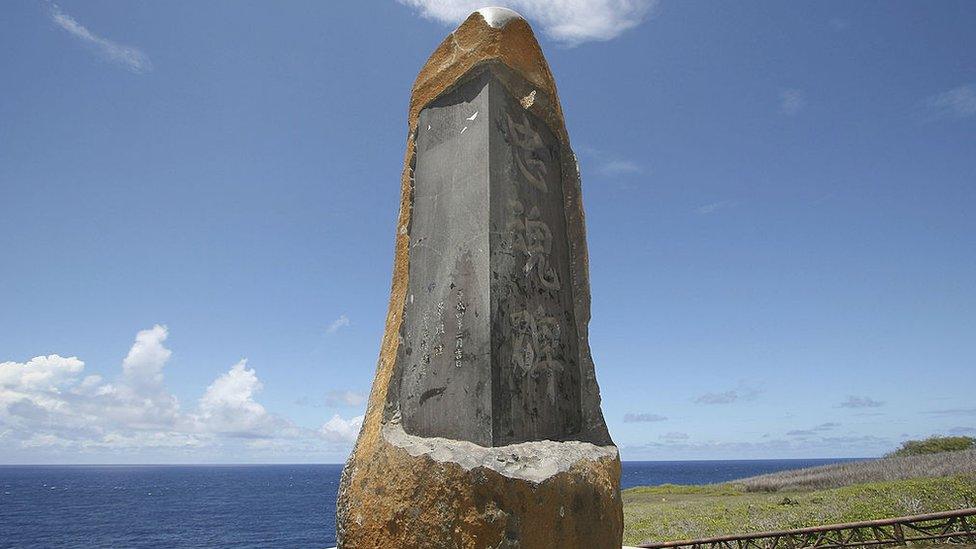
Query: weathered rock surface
x,y
484,427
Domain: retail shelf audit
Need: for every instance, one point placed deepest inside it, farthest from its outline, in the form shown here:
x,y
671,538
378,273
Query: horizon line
x,y
230,464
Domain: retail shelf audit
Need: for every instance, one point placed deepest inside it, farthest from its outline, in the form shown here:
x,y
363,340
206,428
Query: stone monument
x,y
484,426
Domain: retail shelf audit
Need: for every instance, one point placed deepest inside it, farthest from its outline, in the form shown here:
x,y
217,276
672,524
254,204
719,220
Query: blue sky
x,y
198,202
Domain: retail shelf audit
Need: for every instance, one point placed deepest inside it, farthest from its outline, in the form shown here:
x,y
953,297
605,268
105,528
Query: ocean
x,y
240,506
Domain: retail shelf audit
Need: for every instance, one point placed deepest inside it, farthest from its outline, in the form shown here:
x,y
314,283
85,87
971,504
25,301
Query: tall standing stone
x,y
484,426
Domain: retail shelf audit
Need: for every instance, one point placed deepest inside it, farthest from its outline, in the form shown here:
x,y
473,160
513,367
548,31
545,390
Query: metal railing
x,y
948,527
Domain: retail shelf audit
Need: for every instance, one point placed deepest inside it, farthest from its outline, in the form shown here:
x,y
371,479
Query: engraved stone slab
x,y
535,360
442,363
488,351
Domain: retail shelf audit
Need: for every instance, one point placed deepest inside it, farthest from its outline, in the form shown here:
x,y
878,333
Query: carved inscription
x,y
528,148
536,386
489,349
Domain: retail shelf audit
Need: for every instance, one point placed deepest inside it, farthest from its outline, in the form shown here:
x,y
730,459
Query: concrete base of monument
x,y
411,491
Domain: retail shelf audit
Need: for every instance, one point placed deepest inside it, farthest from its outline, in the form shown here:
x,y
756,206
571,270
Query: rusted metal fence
x,y
947,527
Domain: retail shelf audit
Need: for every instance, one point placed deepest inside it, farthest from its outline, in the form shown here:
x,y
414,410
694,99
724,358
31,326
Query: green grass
x,y
671,512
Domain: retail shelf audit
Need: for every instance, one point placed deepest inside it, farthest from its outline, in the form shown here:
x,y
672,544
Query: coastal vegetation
x,y
875,470
845,492
934,445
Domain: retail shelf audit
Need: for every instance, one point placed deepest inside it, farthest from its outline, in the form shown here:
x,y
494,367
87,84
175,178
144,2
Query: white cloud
x,y
43,440
959,102
42,373
839,24
813,431
342,430
715,206
610,165
344,398
791,101
860,402
726,397
643,418
568,21
228,406
338,324
675,436
47,404
953,412
131,58
743,392
138,440
143,366
619,167
675,448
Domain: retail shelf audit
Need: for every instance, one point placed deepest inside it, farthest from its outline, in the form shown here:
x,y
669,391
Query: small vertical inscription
x,y
459,337
443,370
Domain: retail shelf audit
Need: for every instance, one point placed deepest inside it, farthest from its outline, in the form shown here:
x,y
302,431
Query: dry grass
x,y
857,472
662,513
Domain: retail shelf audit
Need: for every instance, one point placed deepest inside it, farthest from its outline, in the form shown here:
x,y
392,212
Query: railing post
x,y
965,526
899,534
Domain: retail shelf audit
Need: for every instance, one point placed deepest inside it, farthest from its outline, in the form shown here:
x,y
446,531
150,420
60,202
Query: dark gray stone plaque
x,y
489,351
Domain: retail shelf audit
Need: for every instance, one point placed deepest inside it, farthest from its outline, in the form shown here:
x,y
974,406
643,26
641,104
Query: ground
x,y
671,512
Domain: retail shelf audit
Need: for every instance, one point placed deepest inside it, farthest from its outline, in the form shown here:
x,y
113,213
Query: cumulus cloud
x,y
342,430
143,366
338,324
42,373
129,57
860,402
643,418
228,407
568,21
48,403
959,102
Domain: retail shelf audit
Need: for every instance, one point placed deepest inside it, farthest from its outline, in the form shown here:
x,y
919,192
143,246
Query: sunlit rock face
x,y
484,426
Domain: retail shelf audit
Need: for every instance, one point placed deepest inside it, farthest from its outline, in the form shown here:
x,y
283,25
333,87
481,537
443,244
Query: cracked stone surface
x,y
484,426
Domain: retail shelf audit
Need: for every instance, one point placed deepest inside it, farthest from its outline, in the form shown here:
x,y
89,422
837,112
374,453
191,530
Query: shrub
x,y
934,445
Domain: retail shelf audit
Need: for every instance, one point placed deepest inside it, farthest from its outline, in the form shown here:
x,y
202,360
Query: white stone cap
x,y
498,17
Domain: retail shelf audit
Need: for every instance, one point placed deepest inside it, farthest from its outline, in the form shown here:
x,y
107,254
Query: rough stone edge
x,y
534,461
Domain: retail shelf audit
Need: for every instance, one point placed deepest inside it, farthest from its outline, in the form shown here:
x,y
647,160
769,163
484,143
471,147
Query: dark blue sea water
x,y
245,506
